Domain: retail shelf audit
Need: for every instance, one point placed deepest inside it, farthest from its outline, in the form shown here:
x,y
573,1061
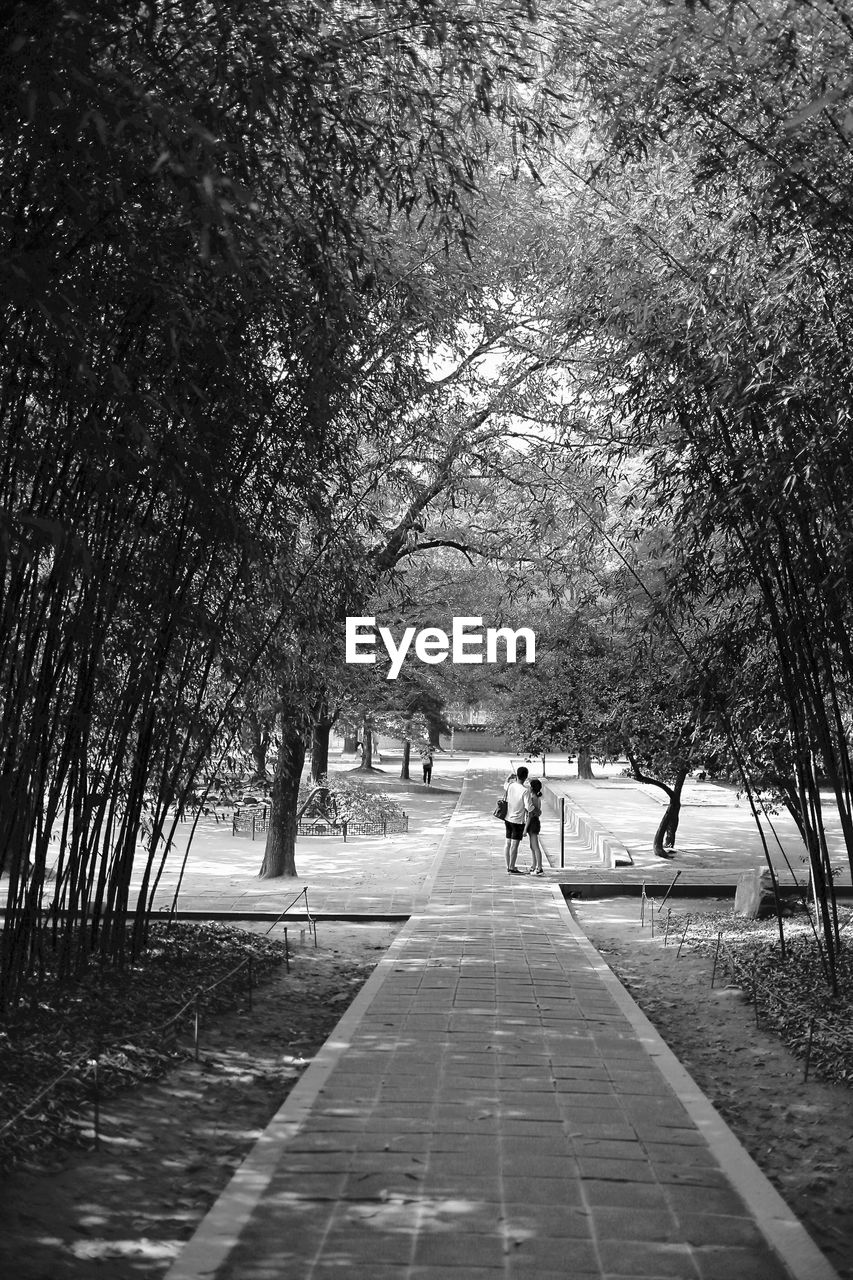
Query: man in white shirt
x,y
516,795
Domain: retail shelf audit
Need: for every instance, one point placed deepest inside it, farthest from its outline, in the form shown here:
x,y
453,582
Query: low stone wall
x,y
602,844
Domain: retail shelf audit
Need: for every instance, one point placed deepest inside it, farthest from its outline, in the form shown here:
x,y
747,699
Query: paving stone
x,y
521,1165
675,1153
464,1271
719,1229
536,1191
691,1176
708,1200
337,1267
547,1220
347,1242
728,1263
672,1261
458,1250
634,1195
615,1170
627,1222
570,1259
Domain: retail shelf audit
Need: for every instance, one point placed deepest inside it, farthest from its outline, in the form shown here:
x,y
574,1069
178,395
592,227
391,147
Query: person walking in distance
x,y
426,761
516,796
532,825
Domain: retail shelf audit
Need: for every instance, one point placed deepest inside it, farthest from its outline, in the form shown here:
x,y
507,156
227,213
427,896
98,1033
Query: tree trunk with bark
x,y
585,764
280,852
664,840
320,735
366,765
258,735
668,828
407,756
434,727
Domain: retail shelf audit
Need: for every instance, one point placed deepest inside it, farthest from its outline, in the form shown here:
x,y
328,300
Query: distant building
x,y
473,728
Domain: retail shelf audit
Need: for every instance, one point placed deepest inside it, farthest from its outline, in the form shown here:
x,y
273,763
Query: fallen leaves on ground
x,y
792,993
169,1146
134,1023
798,1131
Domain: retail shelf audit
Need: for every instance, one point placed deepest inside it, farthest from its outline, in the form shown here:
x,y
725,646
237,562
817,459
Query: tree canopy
x,y
298,297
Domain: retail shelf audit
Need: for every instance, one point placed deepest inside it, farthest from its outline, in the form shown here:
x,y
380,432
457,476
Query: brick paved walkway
x,y
494,1104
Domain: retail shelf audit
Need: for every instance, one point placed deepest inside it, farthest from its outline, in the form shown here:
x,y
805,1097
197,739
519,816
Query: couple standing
x,y
524,805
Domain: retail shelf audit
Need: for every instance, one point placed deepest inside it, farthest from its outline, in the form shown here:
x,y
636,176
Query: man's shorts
x,y
514,830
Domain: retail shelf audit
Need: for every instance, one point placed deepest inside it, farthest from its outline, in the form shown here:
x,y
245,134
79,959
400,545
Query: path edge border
x,y
219,1230
773,1216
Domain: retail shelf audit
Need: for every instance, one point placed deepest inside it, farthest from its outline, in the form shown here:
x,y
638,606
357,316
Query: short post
x,y
683,936
809,1050
666,927
196,1023
253,823
344,826
562,831
716,957
670,889
286,956
652,914
96,1098
642,904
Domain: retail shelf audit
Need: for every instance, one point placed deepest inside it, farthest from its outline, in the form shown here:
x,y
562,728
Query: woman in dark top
x,y
533,808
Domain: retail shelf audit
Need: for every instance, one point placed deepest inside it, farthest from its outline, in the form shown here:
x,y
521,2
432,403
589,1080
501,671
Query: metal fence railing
x,y
254,823
251,822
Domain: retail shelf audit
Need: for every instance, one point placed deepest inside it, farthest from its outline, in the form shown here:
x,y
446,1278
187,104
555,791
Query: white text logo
x,y
432,644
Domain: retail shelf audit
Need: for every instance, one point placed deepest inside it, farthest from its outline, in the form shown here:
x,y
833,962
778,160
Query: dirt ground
x,y
167,1149
800,1134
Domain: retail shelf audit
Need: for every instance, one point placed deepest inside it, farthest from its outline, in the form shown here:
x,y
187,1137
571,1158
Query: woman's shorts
x,y
514,830
533,826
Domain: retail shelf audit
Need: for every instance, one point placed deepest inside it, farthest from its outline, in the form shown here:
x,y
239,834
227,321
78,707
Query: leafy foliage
x,y
194,254
354,800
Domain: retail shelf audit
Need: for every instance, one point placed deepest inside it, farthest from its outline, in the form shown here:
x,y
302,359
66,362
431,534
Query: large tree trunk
x,y
366,747
665,835
407,755
280,853
434,727
258,735
585,764
320,749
